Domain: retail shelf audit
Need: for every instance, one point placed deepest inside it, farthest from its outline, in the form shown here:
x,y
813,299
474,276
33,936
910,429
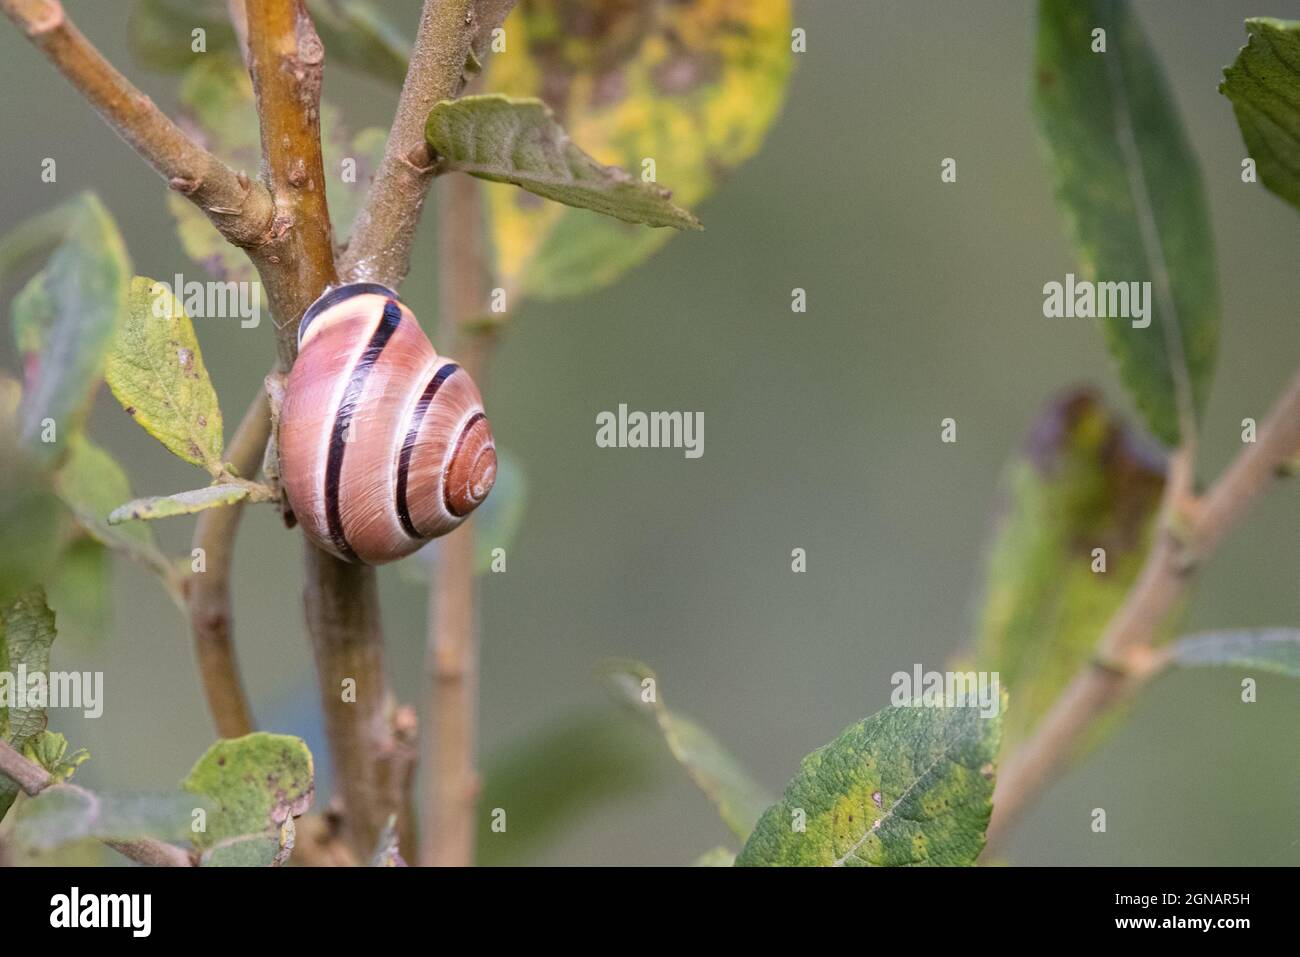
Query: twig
x,y
1190,531
452,654
379,249
208,593
241,210
34,779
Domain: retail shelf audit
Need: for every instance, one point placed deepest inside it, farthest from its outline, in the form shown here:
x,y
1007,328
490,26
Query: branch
x,y
34,779
1190,531
208,593
452,653
379,249
241,210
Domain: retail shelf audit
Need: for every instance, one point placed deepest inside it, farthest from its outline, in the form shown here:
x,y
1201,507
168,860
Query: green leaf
x,y
259,784
156,371
518,141
907,786
181,503
693,86
77,589
49,749
357,35
30,515
26,633
72,319
1128,184
1266,649
1081,481
92,484
557,773
1263,84
66,812
739,799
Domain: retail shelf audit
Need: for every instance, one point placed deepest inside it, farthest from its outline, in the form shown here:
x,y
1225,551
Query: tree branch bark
x,y
207,593
452,653
240,209
1191,529
379,249
34,779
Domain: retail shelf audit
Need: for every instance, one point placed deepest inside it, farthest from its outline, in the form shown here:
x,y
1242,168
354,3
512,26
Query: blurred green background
x,y
821,431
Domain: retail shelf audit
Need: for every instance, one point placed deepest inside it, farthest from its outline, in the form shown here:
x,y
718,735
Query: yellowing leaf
x,y
181,503
156,371
691,85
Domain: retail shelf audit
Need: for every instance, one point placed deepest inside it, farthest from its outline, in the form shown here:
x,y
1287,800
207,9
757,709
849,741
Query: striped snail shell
x,y
383,443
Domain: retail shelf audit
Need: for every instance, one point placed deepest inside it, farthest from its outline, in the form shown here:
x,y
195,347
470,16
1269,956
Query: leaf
x,y
557,773
906,786
160,32
1082,480
518,141
1263,84
738,798
30,515
1266,649
156,371
92,484
49,749
357,35
77,589
181,503
1128,184
259,783
66,812
26,633
692,85
72,319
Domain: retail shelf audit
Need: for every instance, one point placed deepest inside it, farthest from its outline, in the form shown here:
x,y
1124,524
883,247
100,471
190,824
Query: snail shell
x,y
383,443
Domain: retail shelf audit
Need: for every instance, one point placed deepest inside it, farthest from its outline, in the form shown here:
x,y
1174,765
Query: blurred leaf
x,y
518,141
1264,87
26,633
716,857
739,799
558,773
30,516
907,786
181,503
1266,649
693,86
353,32
160,32
71,320
1128,184
1082,481
156,371
77,589
49,749
92,484
365,150
66,812
259,782
357,35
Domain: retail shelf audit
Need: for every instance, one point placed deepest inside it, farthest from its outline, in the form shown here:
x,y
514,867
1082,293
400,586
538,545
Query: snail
x,y
383,444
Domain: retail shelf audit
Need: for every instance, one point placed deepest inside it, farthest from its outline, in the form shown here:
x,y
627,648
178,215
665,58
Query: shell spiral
x,y
383,443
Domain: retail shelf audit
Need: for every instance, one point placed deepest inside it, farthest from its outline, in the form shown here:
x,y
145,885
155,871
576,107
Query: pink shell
x,y
383,444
